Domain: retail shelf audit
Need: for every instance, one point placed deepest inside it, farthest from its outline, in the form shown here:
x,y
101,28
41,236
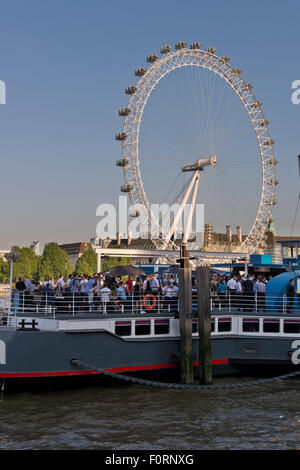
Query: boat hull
x,y
38,355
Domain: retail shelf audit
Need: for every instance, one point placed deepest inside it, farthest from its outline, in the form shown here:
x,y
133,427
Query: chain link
x,y
175,386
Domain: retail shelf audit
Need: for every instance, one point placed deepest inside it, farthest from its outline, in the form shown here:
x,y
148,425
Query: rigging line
x,y
220,101
195,80
207,113
232,179
207,92
295,215
171,187
230,201
196,71
183,144
231,100
239,172
229,121
170,137
184,113
188,101
212,121
238,195
211,92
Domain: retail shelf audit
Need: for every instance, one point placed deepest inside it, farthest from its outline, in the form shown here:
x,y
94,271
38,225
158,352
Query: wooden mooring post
x,y
204,325
185,318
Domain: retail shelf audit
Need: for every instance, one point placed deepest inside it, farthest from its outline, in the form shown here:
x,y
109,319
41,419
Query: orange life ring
x,y
151,306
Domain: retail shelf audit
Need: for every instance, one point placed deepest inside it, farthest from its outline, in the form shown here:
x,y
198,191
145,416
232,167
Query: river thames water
x,y
126,417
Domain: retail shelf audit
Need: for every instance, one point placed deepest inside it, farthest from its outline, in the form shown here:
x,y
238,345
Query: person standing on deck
x,y
290,290
248,294
261,295
231,287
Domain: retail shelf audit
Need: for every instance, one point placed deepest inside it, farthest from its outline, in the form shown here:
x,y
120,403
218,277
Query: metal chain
x,y
176,386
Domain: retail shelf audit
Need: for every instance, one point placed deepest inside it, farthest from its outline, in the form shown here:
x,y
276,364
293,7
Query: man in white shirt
x,y
261,296
154,285
105,294
231,284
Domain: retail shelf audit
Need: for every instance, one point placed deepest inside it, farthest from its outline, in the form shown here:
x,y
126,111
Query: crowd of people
x,y
247,292
101,293
153,292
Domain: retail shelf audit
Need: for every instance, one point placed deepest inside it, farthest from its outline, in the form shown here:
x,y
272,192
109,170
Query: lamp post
x,y
13,257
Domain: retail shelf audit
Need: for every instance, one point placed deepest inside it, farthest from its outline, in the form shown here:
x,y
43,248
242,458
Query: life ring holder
x,y
152,305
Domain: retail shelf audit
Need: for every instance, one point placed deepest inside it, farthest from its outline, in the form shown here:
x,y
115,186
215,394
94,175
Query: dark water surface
x,y
126,417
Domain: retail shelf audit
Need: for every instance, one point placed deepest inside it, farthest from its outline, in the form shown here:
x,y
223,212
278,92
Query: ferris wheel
x,y
262,156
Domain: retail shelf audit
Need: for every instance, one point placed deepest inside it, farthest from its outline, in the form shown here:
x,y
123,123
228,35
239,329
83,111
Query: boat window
x,y
123,328
195,326
224,324
291,326
271,325
142,327
161,327
251,325
212,325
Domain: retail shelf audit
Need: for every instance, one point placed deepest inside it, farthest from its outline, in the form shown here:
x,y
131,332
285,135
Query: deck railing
x,y
72,303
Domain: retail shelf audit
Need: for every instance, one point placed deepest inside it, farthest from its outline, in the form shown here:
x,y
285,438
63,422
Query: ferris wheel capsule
x,y
226,58
273,182
126,188
264,122
124,111
247,87
166,49
134,213
269,142
121,136
195,45
180,45
140,72
237,71
152,58
257,104
122,162
211,50
272,162
131,90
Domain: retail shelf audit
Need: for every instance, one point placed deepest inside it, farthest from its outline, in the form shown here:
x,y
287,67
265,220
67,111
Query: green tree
x,y
112,262
54,262
87,263
4,271
26,264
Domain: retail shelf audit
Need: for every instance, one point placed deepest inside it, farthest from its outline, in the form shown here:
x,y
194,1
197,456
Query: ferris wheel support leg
x,y
192,209
181,208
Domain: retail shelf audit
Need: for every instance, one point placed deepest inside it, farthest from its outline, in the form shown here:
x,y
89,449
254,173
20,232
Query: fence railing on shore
x,y
72,303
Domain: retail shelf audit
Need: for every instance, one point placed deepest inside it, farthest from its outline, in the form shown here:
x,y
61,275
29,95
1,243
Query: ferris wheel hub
x,y
200,164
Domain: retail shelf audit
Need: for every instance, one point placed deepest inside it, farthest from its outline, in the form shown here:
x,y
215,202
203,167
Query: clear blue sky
x,y
66,64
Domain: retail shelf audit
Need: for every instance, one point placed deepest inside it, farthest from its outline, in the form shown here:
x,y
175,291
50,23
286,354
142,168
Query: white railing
x,y
52,302
271,302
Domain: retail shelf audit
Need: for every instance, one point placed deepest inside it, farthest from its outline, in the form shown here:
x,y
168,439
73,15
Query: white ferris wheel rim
x,y
131,127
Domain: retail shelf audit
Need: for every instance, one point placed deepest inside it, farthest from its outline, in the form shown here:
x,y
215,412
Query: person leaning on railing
x,y
248,294
261,294
221,291
290,291
105,296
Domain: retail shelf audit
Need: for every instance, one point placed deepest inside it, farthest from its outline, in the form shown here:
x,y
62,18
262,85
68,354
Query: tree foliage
x,y
4,271
87,263
54,262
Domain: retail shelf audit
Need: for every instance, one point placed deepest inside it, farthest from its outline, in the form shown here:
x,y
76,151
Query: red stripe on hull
x,y
91,372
